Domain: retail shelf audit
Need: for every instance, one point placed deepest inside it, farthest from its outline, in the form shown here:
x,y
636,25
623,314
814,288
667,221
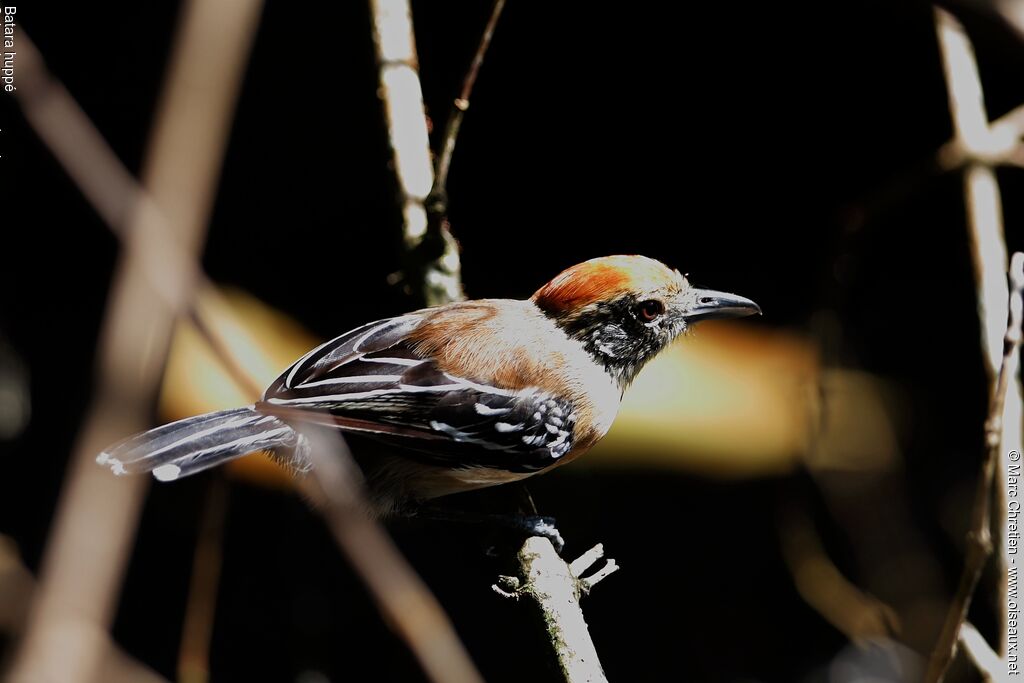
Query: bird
x,y
460,396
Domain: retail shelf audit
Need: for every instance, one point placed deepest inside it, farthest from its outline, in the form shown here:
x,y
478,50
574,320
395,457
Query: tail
x,y
197,443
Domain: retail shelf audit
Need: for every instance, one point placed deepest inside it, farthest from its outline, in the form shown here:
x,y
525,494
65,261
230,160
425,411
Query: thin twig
x,y
97,515
556,588
459,107
979,538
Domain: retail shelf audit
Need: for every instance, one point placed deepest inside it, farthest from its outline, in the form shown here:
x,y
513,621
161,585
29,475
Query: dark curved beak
x,y
707,304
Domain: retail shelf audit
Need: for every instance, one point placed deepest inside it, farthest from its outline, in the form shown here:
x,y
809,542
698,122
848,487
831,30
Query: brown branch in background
x,y
197,627
556,587
333,485
400,593
17,587
110,187
979,536
861,617
97,172
431,270
97,514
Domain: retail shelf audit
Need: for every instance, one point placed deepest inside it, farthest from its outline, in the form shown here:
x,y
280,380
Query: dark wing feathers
x,y
370,380
368,339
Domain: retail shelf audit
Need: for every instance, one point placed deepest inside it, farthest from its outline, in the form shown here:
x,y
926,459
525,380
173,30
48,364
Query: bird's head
x,y
625,309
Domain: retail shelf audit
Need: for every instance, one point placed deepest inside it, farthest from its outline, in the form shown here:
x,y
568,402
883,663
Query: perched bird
x,y
461,396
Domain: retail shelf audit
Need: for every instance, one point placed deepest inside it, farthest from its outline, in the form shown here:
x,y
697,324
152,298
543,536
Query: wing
x,y
371,380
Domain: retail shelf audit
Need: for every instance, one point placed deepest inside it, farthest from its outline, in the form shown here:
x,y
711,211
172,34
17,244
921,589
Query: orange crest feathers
x,y
606,278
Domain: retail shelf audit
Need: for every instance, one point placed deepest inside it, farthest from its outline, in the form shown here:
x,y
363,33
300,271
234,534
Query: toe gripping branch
x,y
513,587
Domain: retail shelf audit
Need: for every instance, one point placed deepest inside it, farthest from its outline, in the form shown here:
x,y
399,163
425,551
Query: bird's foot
x,y
534,525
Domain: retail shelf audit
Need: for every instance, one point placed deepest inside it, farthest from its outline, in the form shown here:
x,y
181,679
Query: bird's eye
x,y
650,309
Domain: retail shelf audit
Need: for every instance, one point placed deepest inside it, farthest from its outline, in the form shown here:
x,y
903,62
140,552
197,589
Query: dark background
x,y
749,146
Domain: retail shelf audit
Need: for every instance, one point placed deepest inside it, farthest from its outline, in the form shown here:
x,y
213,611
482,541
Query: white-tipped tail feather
x,y
197,443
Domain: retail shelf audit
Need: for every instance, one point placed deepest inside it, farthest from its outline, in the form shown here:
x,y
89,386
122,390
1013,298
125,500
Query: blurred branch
x,y
112,191
197,629
984,657
999,143
333,485
17,586
96,516
431,271
97,172
861,617
556,588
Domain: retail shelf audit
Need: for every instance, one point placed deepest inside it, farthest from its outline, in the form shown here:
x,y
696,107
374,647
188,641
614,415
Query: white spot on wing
x,y
555,446
463,437
168,472
358,379
392,361
505,427
115,465
481,409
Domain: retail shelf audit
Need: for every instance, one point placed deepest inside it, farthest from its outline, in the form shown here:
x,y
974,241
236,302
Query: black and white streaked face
x,y
623,334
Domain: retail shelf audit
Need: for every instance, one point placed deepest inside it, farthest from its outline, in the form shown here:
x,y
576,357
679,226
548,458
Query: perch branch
x,y
556,588
82,569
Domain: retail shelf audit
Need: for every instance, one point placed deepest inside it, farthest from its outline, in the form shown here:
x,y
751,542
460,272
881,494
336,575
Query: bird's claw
x,y
536,525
